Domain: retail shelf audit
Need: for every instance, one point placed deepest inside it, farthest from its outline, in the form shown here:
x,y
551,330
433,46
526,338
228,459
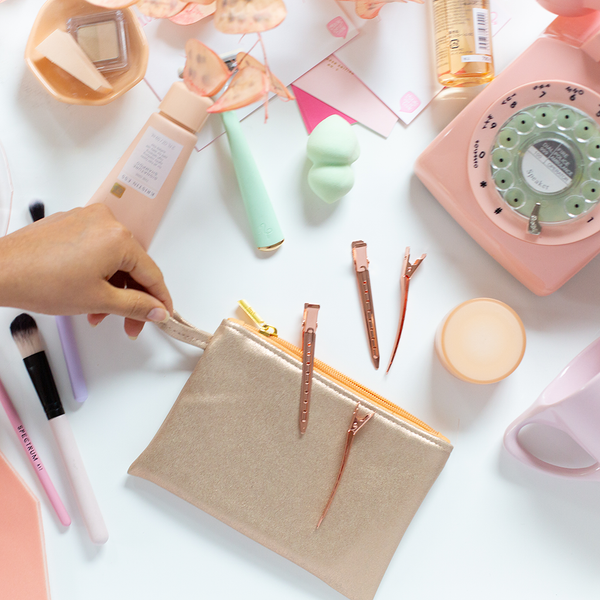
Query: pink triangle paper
x,y
314,111
23,572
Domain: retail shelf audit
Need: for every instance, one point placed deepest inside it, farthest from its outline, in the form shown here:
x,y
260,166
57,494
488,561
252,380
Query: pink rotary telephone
x,y
519,168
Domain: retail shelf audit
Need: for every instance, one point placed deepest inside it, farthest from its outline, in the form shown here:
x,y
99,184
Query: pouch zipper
x,y
343,380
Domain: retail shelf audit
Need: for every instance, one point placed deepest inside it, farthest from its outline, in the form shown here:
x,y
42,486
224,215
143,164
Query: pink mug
x,y
571,403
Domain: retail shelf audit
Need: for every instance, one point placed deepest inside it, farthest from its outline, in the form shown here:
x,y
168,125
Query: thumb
x,y
136,304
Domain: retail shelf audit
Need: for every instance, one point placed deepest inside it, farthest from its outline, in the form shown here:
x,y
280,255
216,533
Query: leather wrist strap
x,y
178,328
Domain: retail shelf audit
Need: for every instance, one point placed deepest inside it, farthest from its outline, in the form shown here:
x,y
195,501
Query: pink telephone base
x,y
443,166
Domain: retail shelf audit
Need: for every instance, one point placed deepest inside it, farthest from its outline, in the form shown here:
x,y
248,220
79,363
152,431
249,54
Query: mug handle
x,y
513,445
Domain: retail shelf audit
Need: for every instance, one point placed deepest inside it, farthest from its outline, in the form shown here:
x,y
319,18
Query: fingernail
x,y
158,315
93,324
133,338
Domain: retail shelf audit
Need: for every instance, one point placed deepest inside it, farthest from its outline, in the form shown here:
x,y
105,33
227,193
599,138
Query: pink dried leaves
x,y
248,16
206,74
231,16
369,9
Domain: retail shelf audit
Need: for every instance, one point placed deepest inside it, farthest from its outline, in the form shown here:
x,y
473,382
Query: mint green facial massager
x,y
261,215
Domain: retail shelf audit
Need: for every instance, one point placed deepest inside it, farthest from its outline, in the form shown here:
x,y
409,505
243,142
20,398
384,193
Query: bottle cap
x,y
185,106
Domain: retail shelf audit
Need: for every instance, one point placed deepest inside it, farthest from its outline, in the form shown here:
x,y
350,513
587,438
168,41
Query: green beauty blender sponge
x,y
332,147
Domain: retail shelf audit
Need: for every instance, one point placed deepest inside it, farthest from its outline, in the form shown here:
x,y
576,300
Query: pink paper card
x,y
23,571
311,31
314,111
393,56
333,83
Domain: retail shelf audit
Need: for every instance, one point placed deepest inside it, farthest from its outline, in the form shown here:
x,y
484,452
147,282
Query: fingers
x,y
143,270
96,319
134,304
133,328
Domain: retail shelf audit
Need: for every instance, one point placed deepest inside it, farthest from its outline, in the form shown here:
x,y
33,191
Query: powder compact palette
x,y
103,37
519,169
111,44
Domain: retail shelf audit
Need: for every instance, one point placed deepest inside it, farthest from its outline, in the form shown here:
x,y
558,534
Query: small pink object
x,y
313,111
409,102
193,13
338,27
570,8
571,404
23,571
34,458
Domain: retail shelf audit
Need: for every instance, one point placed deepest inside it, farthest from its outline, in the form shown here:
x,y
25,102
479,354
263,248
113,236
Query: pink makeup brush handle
x,y
34,457
84,494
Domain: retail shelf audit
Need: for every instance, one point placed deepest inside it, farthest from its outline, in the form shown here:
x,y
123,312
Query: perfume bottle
x,y
463,42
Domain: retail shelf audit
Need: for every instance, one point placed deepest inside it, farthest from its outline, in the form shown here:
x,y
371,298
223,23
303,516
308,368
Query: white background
x,y
490,527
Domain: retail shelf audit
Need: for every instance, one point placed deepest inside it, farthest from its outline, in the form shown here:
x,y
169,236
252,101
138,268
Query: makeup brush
x,y
37,210
64,324
25,333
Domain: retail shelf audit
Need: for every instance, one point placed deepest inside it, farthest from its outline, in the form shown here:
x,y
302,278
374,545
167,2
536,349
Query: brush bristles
x,y
25,332
37,210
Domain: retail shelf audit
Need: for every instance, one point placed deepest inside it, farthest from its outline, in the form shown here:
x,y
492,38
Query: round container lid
x,y
481,341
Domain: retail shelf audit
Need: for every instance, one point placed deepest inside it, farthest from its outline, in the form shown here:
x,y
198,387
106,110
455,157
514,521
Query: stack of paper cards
x,y
312,31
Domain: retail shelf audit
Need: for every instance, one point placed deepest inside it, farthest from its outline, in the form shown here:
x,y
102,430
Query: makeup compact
x,y
83,54
103,37
519,169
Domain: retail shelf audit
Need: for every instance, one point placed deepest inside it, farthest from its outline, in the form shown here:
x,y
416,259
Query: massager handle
x,y
263,221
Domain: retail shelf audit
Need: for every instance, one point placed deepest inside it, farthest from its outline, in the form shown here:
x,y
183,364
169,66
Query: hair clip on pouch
x,y
232,447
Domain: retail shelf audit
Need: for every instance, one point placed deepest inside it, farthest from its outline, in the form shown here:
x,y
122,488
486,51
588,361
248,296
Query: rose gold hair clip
x,y
309,330
355,426
408,270
361,266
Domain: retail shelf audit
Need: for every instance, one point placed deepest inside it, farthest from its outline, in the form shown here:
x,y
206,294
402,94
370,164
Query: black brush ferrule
x,y
38,368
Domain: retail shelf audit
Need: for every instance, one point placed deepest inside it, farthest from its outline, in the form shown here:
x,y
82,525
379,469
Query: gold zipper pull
x,y
263,328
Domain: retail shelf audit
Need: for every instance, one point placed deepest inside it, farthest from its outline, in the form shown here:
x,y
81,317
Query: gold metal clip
x,y
361,266
309,331
408,270
355,426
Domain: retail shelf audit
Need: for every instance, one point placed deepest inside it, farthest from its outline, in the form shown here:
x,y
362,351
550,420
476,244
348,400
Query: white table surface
x,y
490,527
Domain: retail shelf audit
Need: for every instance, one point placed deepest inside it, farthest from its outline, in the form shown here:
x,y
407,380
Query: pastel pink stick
x,y
88,505
34,458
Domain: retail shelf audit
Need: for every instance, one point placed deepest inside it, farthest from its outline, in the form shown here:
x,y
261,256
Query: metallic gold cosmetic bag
x,y
231,446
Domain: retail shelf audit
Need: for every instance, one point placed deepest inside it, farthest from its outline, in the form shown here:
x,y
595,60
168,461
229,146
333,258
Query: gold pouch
x,y
231,446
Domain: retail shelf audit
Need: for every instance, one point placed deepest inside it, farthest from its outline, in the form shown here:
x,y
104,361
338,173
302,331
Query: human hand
x,y
82,262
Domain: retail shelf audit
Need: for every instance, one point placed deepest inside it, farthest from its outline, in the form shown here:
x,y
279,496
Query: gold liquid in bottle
x,y
463,42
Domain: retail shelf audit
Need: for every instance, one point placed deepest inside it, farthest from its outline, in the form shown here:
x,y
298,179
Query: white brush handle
x,y
84,494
